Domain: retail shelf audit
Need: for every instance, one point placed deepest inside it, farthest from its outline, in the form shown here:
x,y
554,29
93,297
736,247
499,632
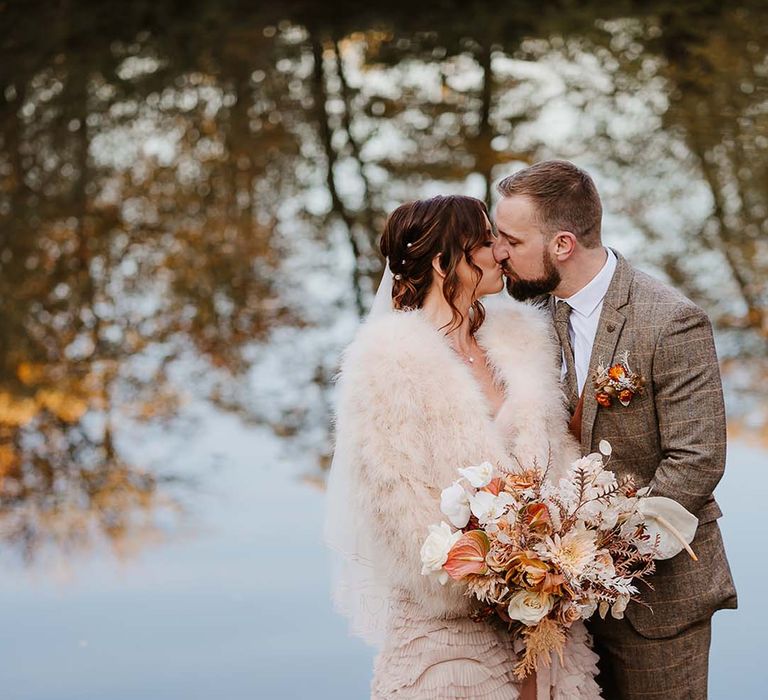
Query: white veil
x,y
357,588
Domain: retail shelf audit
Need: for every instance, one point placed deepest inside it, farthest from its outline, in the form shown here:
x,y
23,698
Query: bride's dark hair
x,y
450,226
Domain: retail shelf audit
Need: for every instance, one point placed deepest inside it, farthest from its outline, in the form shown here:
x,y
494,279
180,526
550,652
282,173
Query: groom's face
x,y
522,251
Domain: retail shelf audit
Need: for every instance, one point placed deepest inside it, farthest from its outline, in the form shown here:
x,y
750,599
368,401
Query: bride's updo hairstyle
x,y
449,226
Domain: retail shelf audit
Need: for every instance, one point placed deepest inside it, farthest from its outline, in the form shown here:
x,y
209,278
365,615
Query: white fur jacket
x,y
410,413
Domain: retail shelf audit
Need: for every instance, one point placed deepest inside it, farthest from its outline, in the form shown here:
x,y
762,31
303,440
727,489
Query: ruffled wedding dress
x,y
429,658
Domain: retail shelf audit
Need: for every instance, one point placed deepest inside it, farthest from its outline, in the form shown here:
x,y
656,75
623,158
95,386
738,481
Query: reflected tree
x,y
190,202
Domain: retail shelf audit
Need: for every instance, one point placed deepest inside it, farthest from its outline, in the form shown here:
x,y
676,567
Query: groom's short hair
x,y
565,198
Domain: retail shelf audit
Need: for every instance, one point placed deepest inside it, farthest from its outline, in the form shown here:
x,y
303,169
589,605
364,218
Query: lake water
x,y
239,608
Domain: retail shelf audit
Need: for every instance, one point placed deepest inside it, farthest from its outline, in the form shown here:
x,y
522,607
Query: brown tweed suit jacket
x,y
672,437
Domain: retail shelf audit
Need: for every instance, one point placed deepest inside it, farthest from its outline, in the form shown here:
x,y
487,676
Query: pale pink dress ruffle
x,y
574,678
446,659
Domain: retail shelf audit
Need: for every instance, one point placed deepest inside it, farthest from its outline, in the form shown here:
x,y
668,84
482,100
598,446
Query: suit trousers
x,y
633,667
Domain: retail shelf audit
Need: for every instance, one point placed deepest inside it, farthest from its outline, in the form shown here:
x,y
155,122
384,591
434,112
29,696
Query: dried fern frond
x,y
540,642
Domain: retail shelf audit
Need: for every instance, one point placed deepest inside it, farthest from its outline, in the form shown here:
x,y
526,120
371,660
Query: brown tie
x,y
570,384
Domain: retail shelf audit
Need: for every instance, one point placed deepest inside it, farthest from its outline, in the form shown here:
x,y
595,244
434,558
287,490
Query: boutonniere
x,y
617,381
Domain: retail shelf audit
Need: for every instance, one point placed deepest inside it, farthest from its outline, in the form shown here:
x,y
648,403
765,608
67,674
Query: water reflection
x,y
189,205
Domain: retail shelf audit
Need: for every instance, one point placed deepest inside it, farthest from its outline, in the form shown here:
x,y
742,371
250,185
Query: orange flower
x,y
532,573
528,569
494,486
603,399
536,514
568,614
625,396
467,556
520,481
551,583
617,372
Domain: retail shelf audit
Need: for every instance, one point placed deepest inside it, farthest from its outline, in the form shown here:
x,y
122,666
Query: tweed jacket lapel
x,y
558,348
609,329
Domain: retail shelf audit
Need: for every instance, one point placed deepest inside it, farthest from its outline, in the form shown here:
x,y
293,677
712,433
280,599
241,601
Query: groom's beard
x,y
523,290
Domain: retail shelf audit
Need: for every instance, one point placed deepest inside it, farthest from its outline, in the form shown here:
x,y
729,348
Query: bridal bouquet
x,y
540,556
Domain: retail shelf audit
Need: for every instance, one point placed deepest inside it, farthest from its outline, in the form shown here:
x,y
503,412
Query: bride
x,y
433,382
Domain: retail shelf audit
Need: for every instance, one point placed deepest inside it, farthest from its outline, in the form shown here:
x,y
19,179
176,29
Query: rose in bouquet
x,y
538,556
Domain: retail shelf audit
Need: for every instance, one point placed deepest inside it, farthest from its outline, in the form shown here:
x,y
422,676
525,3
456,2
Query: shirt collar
x,y
587,299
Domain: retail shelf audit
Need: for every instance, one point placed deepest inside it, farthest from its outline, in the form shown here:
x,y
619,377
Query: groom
x,y
670,437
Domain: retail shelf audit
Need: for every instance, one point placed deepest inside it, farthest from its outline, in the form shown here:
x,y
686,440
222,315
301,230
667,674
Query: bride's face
x,y
492,277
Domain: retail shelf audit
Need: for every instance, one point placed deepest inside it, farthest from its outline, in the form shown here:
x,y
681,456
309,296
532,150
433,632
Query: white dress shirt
x,y
587,304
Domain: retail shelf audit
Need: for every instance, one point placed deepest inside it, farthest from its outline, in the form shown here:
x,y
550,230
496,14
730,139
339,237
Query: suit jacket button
x,y
611,328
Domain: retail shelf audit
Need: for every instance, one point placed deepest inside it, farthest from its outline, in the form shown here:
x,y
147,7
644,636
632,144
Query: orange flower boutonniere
x,y
617,382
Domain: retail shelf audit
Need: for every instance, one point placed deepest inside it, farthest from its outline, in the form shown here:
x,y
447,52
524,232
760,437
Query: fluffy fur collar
x,y
406,348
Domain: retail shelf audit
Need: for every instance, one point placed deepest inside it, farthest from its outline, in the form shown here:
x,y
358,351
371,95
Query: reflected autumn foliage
x,y
63,483
189,203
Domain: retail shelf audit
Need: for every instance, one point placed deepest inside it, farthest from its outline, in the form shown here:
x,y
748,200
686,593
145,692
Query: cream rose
x,y
529,607
434,551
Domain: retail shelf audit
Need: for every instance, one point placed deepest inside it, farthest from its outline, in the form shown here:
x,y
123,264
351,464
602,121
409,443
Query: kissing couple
x,y
436,380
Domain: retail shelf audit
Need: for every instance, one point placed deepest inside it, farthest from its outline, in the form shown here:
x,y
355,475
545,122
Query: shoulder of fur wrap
x,y
401,341
401,362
